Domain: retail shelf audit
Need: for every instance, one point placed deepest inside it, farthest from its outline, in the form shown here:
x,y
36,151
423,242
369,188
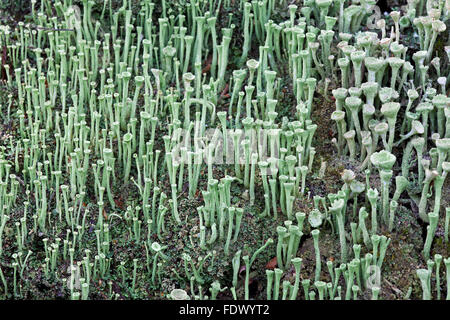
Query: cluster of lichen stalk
x,y
393,100
126,102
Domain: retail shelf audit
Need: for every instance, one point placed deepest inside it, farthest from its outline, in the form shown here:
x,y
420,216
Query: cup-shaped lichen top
x,y
357,187
446,166
443,144
417,127
424,107
179,294
127,137
390,109
252,64
315,218
169,51
348,176
338,115
381,128
156,247
337,205
384,160
387,94
340,93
